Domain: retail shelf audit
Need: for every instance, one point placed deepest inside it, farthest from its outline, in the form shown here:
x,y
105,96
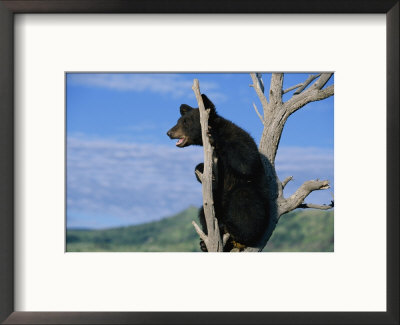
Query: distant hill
x,y
298,231
303,231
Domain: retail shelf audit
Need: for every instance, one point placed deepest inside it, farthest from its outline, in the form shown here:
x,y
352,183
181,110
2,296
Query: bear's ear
x,y
185,108
207,103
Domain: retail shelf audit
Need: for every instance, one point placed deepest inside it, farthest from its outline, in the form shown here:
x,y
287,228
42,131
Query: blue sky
x,y
122,169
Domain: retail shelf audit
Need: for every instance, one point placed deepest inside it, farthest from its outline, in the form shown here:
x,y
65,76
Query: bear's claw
x,y
203,246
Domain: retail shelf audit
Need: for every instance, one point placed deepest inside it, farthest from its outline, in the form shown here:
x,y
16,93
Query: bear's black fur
x,y
240,195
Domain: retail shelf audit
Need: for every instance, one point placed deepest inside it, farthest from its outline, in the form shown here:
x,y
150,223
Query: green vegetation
x,y
173,234
303,231
298,231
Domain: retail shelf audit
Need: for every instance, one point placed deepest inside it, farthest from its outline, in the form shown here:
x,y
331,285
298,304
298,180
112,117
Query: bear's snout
x,y
175,132
172,133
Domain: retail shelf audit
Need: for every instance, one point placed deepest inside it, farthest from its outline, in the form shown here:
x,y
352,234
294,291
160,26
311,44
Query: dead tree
x,y
275,114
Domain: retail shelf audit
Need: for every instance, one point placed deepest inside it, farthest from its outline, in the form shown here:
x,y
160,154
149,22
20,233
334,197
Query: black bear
x,y
240,196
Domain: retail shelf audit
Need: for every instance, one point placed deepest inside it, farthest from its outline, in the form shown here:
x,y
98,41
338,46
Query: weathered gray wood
x,y
287,180
200,232
321,82
258,113
259,91
306,83
275,90
291,88
260,81
297,199
311,95
213,239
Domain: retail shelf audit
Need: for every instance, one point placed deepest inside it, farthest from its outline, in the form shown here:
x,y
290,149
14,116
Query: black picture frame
x,y
8,8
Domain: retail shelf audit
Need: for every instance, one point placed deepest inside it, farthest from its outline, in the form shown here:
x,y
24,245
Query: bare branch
x,y
320,83
259,91
260,81
258,113
295,200
306,83
214,240
311,95
291,88
199,175
202,235
287,180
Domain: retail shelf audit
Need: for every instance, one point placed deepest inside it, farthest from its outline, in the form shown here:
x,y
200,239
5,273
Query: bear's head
x,y
188,128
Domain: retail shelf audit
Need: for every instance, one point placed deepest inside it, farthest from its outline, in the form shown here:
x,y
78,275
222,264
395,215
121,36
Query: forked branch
x,y
296,200
259,90
314,93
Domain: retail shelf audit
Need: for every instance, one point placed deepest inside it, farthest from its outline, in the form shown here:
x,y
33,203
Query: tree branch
x,y
199,175
291,88
306,83
260,81
202,235
297,199
287,180
320,83
258,113
259,91
311,95
281,186
303,85
213,239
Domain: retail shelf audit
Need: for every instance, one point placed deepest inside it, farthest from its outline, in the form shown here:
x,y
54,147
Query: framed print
x,y
99,62
136,144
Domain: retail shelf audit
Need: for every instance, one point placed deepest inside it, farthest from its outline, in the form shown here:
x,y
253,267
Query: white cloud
x,y
292,159
129,182
111,183
172,84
